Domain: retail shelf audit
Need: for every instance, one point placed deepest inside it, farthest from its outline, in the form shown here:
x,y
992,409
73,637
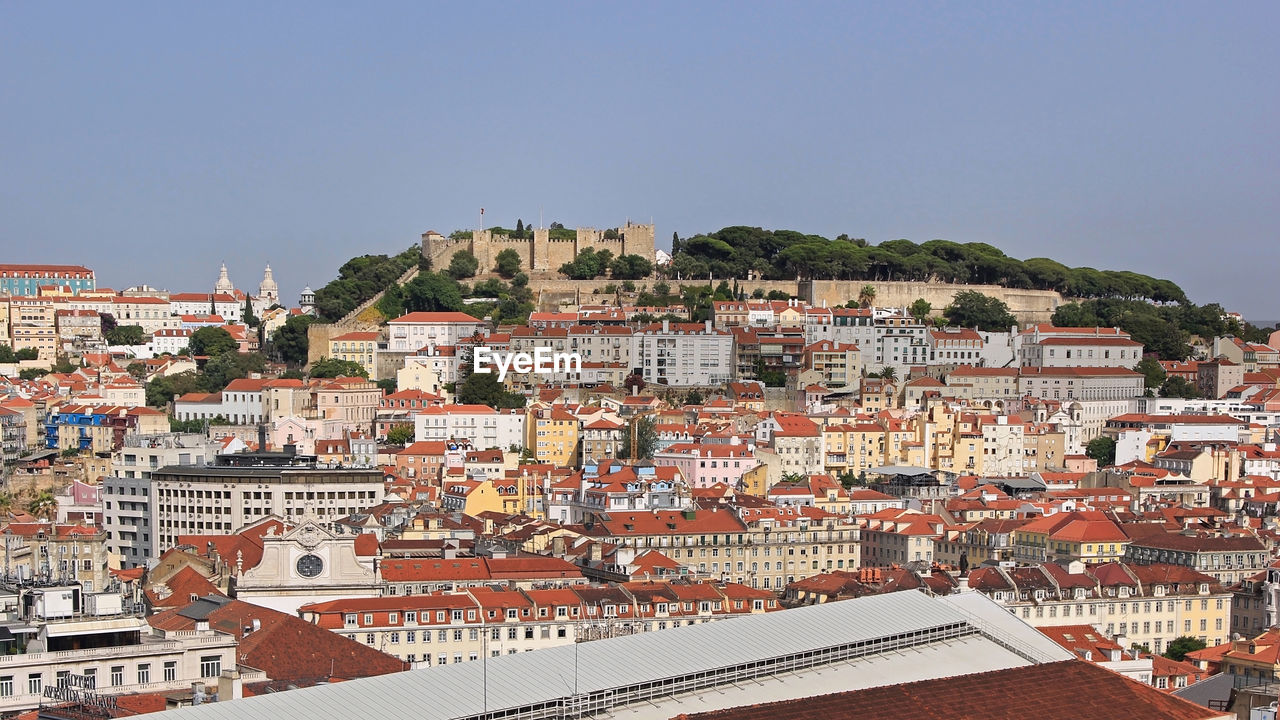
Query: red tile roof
x,y
1053,691
286,647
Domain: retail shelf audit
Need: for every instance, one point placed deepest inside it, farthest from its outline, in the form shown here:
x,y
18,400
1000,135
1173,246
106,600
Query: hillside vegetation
x,y
735,251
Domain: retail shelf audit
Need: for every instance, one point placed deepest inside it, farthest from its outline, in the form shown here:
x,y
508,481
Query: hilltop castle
x,y
542,252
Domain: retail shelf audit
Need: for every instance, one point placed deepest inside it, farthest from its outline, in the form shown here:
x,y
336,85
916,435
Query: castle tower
x,y
268,291
224,283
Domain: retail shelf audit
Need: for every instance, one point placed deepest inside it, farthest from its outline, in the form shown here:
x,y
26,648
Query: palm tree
x,y
44,505
792,478
888,373
6,503
867,295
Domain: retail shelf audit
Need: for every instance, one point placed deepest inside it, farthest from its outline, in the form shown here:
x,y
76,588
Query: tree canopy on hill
x,y
1165,330
787,255
361,278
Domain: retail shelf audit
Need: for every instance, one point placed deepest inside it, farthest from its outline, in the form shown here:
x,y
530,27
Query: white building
x,y
169,340
1081,383
482,425
682,354
127,490
241,489
409,333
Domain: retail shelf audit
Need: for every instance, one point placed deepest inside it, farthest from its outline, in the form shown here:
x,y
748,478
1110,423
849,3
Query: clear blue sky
x,y
153,141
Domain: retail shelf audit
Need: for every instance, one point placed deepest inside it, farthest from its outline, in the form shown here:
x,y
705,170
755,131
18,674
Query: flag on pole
x,y
481,211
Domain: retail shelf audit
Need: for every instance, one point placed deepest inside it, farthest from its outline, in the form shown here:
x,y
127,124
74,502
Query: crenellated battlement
x,y
541,252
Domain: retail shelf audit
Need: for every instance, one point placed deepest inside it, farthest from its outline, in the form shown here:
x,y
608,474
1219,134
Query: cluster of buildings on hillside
x,y
55,311
669,483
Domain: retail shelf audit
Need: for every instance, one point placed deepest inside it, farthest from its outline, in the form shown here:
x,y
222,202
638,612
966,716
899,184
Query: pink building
x,y
705,465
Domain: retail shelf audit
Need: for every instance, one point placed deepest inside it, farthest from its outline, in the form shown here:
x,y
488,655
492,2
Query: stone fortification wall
x,y
541,252
1030,306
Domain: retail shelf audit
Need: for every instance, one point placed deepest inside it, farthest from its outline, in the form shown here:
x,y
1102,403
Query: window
x,y
395,638
35,683
411,636
6,686
144,673
411,617
117,675
349,619
368,619
393,618
171,670
210,665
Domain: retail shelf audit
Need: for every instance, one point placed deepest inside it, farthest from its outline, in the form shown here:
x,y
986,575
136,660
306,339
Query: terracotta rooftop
x,y
1069,689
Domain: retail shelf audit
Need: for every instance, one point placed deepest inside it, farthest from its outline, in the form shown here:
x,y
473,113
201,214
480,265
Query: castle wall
x,y
541,253
1030,306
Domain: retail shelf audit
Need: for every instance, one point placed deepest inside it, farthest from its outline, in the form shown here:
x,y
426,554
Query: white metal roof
x,y
472,688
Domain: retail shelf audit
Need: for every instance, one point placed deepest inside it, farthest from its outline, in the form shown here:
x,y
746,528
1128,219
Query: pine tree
x,y
519,228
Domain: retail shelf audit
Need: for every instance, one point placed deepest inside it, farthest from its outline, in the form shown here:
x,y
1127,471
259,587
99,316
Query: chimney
x,y
230,686
666,325
262,437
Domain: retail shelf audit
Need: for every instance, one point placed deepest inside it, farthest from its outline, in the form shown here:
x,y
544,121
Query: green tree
x,y
162,389
694,398
386,385
630,267
290,342
333,367
126,335
507,262
888,372
43,505
361,278
920,309
137,370
229,366
484,389
27,353
1180,646
212,341
433,292
32,373
646,439
1152,371
463,265
186,426
971,308
1179,387
400,434
248,317
1102,449
6,354
867,295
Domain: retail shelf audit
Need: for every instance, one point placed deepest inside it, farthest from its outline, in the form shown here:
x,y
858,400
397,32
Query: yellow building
x,y
356,347
1089,536
552,434
853,447
1148,605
